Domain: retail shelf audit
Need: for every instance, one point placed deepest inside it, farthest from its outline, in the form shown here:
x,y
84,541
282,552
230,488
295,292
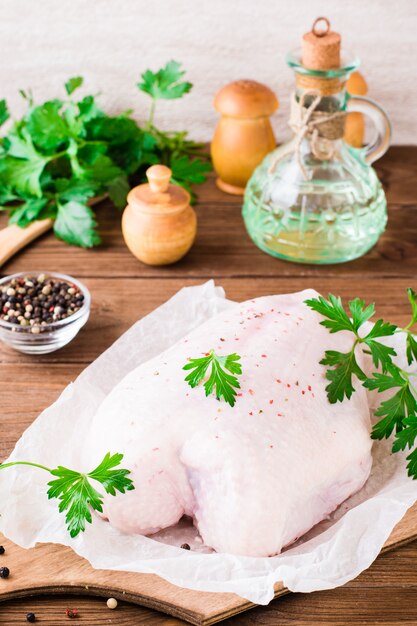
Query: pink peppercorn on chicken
x,y
256,476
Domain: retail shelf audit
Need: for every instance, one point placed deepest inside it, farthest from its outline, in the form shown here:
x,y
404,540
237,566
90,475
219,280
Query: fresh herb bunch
x,y
61,154
399,413
224,383
65,152
76,495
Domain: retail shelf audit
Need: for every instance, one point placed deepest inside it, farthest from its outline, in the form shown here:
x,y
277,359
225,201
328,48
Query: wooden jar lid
x,y
158,195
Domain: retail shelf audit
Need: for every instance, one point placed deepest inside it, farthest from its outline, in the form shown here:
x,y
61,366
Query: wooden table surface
x,y
123,290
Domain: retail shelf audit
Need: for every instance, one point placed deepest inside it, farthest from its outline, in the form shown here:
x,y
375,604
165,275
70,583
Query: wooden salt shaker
x,y
158,224
244,134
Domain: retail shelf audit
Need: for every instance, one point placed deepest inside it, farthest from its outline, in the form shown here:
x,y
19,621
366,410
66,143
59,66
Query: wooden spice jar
x,y
244,134
158,224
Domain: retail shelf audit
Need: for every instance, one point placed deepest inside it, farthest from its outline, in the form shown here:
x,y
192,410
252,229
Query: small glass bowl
x,y
53,336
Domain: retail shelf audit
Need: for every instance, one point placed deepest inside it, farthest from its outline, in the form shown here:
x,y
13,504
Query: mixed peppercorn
x,y
34,302
4,571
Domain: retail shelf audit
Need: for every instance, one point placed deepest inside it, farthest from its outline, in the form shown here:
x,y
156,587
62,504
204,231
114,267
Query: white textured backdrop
x,y
110,42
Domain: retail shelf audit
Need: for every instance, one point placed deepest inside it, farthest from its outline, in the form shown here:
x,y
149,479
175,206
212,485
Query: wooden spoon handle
x,y
13,238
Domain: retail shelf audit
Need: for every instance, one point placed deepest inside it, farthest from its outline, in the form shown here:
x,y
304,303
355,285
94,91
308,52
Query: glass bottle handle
x,y
380,144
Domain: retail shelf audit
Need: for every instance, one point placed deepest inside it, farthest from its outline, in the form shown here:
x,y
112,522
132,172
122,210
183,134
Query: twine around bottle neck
x,y
320,128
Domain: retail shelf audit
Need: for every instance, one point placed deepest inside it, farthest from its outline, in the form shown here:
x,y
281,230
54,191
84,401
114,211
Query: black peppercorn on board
x,y
54,569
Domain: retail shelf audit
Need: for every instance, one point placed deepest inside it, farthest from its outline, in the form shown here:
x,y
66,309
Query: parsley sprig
x,y
399,413
64,152
187,159
75,492
224,383
165,84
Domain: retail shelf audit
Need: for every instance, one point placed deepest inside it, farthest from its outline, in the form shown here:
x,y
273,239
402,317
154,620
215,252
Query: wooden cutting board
x,y
54,569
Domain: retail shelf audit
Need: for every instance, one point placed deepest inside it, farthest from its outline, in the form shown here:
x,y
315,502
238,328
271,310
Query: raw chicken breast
x,y
254,477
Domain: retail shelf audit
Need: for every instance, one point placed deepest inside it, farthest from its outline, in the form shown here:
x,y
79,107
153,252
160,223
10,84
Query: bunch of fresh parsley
x,y
399,413
65,152
76,494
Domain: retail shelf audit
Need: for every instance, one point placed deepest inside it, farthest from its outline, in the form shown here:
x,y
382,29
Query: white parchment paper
x,y
332,553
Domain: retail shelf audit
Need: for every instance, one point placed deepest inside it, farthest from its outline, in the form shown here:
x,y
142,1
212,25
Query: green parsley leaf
x,y
23,175
74,189
332,309
117,130
27,212
383,382
380,329
406,437
102,170
165,83
360,313
19,144
412,297
125,140
412,464
188,170
393,411
112,480
4,112
118,189
76,495
88,109
225,384
73,120
344,367
76,225
411,348
73,83
6,195
47,128
381,354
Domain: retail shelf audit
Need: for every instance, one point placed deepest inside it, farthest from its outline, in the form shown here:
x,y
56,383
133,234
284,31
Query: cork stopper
x,y
321,47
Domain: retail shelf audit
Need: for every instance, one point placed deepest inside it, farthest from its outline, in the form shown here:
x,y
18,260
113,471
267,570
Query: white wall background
x,y
110,42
